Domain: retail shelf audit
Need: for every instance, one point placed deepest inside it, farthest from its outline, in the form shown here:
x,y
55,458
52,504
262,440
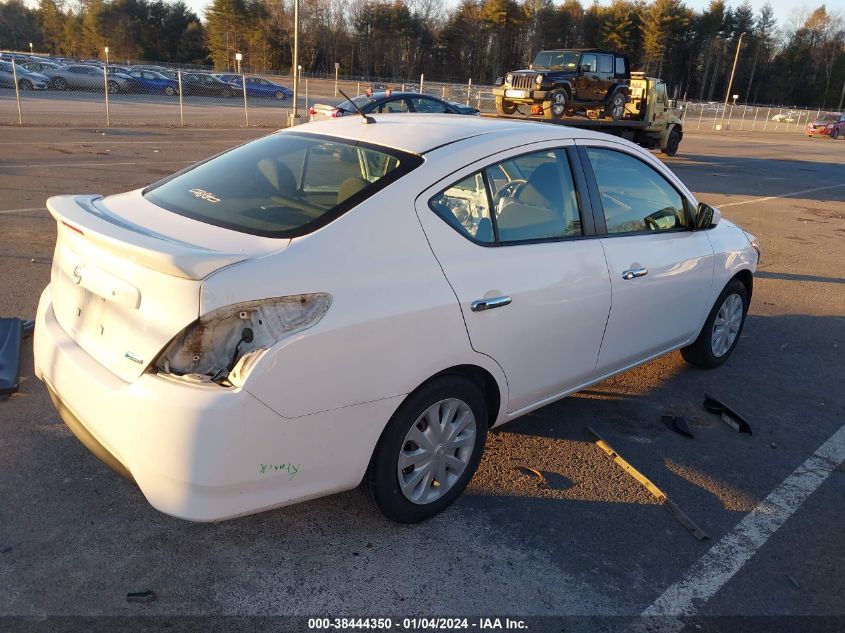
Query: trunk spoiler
x,y
88,216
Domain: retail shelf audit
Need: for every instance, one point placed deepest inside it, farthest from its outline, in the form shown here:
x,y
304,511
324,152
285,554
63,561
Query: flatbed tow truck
x,y
649,118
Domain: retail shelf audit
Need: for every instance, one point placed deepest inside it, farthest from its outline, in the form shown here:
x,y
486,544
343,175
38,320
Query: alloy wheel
x,y
726,326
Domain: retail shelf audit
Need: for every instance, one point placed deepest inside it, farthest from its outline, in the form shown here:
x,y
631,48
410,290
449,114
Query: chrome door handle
x,y
635,272
480,305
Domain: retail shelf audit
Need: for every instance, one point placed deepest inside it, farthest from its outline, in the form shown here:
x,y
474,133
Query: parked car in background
x,y
206,84
258,86
830,124
340,304
86,77
463,108
387,102
26,80
40,66
150,81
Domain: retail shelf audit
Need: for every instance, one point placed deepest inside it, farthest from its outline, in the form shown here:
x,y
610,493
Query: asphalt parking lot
x,y
589,541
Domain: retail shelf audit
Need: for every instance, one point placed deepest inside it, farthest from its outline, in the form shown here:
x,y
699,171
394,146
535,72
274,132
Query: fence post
x,y
756,110
700,116
181,110
766,124
742,122
443,92
730,116
422,78
246,111
306,94
469,90
17,90
478,97
106,91
336,70
358,89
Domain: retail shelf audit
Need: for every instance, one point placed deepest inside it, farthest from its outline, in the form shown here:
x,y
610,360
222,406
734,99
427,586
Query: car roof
x,y
582,50
418,133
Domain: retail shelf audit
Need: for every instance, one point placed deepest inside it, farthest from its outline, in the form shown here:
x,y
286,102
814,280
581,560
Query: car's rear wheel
x,y
835,134
428,451
226,93
58,84
505,107
169,91
25,84
279,95
556,106
721,330
616,108
113,87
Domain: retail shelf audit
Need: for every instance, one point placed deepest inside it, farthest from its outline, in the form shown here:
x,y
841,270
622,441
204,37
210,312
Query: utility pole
x,y
731,80
294,116
841,97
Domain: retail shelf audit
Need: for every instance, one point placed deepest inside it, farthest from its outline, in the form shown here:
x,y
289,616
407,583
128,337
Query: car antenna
x,y
367,119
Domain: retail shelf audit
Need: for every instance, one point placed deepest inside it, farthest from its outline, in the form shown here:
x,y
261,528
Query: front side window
x,y
635,197
589,63
283,185
422,104
605,64
526,198
396,105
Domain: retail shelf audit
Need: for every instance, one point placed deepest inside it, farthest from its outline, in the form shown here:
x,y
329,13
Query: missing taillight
x,y
224,345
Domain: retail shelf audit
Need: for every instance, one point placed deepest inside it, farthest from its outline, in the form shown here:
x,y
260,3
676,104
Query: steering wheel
x,y
510,190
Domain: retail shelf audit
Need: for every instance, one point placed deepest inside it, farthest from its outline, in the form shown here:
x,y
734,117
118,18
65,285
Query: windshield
x,y
7,66
283,185
828,118
564,60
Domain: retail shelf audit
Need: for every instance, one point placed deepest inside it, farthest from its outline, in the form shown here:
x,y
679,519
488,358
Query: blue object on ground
x,y
11,338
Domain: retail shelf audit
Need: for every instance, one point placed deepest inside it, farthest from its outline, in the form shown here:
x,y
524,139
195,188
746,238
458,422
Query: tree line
x,y
798,62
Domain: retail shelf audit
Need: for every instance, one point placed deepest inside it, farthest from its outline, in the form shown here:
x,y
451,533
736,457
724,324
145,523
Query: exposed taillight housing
x,y
312,111
224,345
337,113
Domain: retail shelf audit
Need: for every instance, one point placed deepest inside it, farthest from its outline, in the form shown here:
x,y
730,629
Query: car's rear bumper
x,y
199,451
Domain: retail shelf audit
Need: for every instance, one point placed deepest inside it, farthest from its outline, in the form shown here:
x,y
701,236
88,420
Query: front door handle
x,y
635,272
480,305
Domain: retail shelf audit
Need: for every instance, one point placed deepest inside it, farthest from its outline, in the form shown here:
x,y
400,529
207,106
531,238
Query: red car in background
x,y
830,124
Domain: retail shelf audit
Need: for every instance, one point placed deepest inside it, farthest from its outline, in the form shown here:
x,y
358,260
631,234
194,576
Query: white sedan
x,y
344,304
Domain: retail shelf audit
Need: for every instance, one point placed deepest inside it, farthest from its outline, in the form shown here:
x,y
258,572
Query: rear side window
x,y
283,185
523,199
620,66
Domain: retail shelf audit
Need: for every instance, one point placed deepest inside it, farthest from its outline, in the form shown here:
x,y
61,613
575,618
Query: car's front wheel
x,y
428,451
505,107
170,91
721,330
279,95
556,106
25,84
835,134
113,87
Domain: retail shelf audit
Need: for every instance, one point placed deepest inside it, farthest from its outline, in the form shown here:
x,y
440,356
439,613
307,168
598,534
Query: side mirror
x,y
585,68
706,217
499,81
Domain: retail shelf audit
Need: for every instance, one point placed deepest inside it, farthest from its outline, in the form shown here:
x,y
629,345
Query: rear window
x,y
283,185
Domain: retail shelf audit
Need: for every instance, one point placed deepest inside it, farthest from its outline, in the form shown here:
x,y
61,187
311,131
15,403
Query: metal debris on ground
x,y
11,338
646,483
533,472
728,415
141,596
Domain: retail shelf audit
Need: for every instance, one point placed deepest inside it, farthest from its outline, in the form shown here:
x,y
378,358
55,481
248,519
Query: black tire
x,y
505,107
557,105
280,96
615,108
58,84
672,143
700,353
25,84
170,91
835,134
381,481
113,87
226,93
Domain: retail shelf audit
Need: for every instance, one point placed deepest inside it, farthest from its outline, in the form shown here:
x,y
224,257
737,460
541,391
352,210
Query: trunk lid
x,y
124,282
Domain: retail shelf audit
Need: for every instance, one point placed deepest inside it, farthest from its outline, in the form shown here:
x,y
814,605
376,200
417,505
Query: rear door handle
x,y
480,305
635,272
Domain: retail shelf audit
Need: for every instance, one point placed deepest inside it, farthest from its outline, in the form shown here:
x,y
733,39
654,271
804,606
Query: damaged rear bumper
x,y
202,452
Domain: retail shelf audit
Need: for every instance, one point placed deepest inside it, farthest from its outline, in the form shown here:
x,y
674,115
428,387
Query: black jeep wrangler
x,y
565,81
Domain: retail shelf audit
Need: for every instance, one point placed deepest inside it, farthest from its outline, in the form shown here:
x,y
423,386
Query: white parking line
x,y
785,195
2,211
713,570
102,164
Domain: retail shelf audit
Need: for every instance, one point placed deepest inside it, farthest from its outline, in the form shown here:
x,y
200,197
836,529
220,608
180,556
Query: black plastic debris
x,y
141,596
728,415
11,337
679,424
28,328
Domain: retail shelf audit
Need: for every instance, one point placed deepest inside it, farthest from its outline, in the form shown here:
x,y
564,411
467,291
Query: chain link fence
x,y
104,104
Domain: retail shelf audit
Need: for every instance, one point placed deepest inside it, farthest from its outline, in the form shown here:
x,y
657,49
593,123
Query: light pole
x,y
106,84
30,48
295,65
238,58
731,80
